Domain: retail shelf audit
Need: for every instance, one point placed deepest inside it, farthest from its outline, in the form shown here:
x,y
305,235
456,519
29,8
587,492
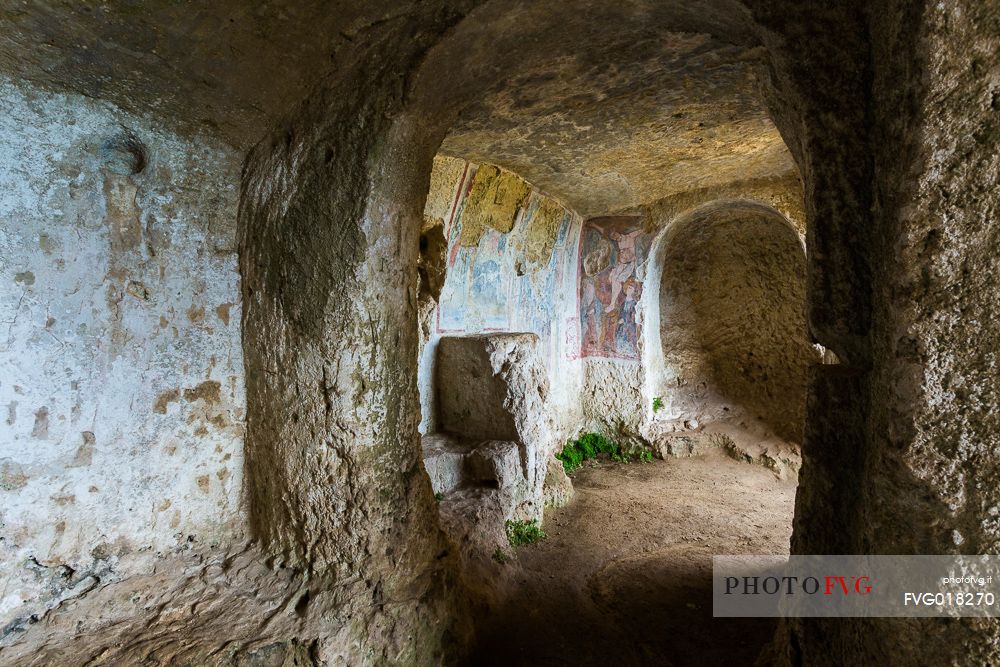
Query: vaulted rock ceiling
x,y
604,105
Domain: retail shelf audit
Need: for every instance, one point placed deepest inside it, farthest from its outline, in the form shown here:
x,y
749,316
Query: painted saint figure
x,y
610,263
592,314
627,331
625,267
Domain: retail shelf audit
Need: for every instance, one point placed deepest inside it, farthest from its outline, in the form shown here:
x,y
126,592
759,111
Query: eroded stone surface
x,y
731,319
232,608
492,461
472,396
889,109
523,279
493,389
123,388
199,69
678,109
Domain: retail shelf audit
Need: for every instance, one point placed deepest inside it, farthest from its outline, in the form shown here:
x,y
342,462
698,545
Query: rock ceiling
x,y
603,105
608,109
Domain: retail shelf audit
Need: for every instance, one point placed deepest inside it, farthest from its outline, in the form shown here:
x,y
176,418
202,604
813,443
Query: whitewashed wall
x,y
121,387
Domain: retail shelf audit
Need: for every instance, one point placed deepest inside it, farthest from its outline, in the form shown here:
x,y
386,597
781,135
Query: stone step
x,y
452,461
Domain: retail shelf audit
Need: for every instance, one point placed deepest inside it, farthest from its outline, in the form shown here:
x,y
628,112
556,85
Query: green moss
x,y
571,456
590,445
520,533
657,404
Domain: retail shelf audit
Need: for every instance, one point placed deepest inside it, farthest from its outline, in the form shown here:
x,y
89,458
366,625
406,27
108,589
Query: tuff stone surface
x,y
493,389
731,321
491,462
121,371
232,608
198,68
887,108
472,395
617,396
603,120
520,280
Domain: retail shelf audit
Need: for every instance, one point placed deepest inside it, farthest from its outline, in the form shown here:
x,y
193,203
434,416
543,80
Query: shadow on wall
x,y
732,320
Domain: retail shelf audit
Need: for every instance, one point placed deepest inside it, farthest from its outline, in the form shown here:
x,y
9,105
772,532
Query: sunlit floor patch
x,y
624,576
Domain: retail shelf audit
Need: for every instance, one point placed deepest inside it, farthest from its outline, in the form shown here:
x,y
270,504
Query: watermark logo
x,y
772,585
856,586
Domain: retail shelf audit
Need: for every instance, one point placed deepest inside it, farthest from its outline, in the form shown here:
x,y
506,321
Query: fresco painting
x,y
612,262
451,304
535,298
487,288
517,271
582,298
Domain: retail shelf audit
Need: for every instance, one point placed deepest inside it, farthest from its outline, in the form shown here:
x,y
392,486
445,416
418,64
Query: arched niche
x,y
726,334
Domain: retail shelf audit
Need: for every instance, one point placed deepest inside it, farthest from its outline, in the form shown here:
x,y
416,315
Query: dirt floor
x,y
624,576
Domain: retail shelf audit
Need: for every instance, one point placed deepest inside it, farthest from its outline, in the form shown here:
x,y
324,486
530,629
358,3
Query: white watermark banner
x,y
856,586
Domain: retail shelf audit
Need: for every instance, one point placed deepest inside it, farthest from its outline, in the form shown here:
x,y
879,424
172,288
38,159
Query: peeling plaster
x,y
93,262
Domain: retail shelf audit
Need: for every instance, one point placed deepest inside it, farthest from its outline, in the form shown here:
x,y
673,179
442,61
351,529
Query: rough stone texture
x,y
934,436
558,489
543,231
731,319
444,460
494,200
431,263
736,442
199,68
888,108
472,395
617,397
231,607
121,373
469,383
473,518
549,69
606,119
446,178
613,399
900,434
500,462
781,193
430,275
492,461
330,220
937,425
494,387
523,279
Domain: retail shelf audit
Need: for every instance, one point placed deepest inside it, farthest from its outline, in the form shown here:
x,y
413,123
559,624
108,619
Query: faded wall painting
x,y
475,292
613,252
512,264
516,271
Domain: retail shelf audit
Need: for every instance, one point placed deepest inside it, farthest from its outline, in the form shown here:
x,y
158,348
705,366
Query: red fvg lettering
x,y
831,581
860,585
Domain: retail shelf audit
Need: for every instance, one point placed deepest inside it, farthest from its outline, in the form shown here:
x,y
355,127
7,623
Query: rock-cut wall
x,y
512,259
121,372
728,343
510,266
621,268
